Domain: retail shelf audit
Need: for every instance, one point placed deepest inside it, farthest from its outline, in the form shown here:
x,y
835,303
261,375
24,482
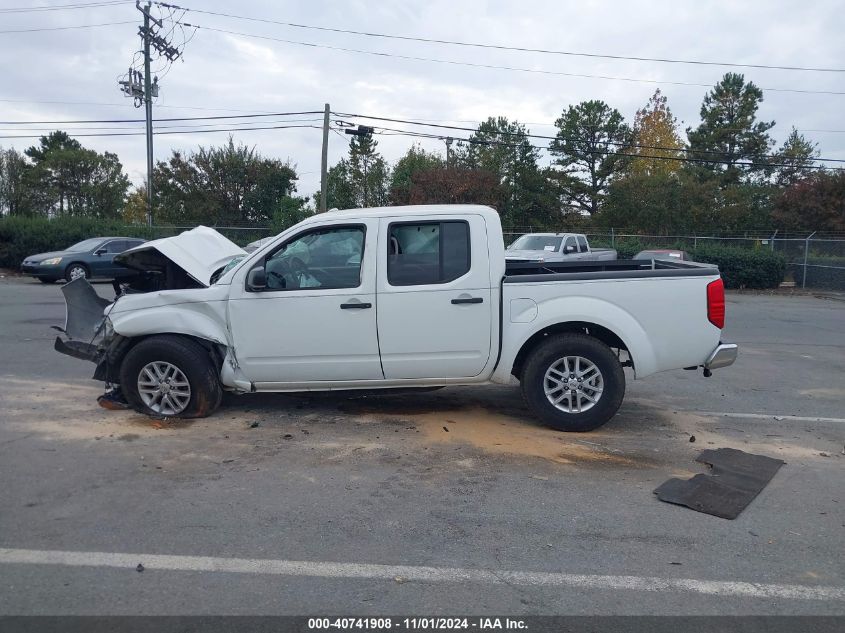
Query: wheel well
x,y
83,264
606,336
109,367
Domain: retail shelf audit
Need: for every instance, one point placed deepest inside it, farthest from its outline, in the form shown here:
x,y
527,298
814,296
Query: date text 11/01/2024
x,y
417,624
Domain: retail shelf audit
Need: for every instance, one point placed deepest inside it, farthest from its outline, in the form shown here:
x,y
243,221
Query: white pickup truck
x,y
393,297
555,247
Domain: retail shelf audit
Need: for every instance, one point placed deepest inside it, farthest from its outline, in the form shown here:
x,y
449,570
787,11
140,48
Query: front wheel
x,y
170,376
76,271
573,382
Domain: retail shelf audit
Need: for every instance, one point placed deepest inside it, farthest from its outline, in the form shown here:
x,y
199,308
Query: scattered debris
x,y
306,431
229,461
737,478
692,438
823,454
445,429
400,579
113,400
287,436
674,563
539,477
139,568
254,425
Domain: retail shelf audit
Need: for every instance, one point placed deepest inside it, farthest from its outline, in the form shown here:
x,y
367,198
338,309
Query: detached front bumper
x,y
724,355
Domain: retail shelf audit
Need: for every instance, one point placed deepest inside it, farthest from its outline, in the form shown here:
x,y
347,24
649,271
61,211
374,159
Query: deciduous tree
x,y
655,140
226,185
415,161
15,184
816,203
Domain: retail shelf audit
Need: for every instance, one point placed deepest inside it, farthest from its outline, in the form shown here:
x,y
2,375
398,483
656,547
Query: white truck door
x,y
316,319
434,297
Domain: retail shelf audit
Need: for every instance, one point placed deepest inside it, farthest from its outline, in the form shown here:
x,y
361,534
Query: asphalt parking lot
x,y
453,501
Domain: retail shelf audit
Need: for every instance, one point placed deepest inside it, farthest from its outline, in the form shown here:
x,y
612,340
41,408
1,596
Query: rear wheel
x,y
170,376
573,382
76,271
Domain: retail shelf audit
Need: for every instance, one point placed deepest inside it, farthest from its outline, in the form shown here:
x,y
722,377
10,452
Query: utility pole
x,y
148,106
324,164
145,89
448,140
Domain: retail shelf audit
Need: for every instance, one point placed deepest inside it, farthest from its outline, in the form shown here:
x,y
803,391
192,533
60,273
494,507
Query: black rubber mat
x,y
737,477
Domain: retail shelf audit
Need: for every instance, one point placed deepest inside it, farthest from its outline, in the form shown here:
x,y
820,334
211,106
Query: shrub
x,y
23,236
744,268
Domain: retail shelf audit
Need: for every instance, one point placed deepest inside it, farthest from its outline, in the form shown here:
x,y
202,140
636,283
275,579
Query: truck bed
x,y
526,272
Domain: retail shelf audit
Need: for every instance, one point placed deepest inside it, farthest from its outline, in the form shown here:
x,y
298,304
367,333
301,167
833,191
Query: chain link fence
x,y
813,260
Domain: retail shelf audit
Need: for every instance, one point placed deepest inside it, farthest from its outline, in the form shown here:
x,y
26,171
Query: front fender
x,y
197,319
568,309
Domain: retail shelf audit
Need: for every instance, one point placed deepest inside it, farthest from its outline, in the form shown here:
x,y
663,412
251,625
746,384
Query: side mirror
x,y
100,251
256,279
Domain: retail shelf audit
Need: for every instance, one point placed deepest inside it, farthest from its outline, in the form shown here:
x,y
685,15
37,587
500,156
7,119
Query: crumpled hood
x,y
200,252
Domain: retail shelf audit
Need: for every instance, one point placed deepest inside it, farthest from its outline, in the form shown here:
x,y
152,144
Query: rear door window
x,y
582,243
115,246
569,246
427,252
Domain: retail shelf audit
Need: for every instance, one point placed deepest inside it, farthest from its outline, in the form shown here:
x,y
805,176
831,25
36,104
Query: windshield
x,y
536,243
218,275
85,245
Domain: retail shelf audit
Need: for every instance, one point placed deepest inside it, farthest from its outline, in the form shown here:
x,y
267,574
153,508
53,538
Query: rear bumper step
x,y
725,354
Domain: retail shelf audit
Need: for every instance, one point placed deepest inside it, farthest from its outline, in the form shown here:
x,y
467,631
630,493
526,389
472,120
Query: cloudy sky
x,y
71,74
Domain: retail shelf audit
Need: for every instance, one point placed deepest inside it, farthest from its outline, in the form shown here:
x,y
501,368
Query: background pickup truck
x,y
555,247
393,297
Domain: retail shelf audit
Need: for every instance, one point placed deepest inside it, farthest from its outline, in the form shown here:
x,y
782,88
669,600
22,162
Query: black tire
x,y
547,354
76,265
46,280
192,360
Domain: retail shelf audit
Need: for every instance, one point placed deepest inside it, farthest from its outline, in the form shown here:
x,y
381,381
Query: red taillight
x,y
716,303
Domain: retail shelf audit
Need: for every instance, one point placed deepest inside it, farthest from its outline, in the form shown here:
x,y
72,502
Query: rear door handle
x,y
355,306
468,300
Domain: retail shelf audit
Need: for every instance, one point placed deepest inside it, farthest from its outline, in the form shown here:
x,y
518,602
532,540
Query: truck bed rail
x,y
527,272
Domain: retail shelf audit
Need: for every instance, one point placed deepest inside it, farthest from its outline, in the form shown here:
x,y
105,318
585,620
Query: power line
x,y
193,118
682,159
233,129
64,28
453,62
265,112
120,105
556,138
159,127
63,7
523,49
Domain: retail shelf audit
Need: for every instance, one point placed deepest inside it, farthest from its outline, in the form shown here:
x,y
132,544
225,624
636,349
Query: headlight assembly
x,y
51,262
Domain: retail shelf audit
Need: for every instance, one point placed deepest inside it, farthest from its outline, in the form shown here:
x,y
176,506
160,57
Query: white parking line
x,y
769,416
412,573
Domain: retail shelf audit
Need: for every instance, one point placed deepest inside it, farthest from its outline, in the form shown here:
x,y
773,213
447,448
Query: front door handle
x,y
355,306
468,300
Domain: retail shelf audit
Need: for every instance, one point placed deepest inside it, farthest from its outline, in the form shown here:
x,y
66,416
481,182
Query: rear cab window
x,y
432,252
